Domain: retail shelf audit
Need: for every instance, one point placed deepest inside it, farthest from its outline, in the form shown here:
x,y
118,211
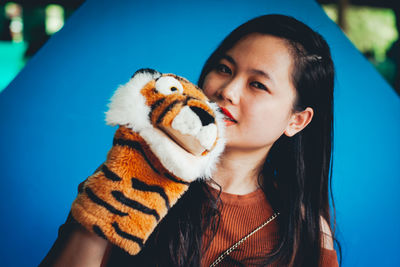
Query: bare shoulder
x,y
327,240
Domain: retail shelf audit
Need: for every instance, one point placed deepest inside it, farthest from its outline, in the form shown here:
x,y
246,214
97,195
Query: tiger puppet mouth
x,y
153,101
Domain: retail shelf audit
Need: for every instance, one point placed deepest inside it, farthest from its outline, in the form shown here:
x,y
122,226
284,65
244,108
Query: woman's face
x,y
252,83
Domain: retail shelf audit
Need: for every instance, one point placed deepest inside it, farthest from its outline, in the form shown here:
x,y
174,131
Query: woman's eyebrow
x,y
229,58
262,73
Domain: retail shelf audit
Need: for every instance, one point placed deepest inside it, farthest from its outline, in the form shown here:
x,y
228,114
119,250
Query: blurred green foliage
x,y
371,30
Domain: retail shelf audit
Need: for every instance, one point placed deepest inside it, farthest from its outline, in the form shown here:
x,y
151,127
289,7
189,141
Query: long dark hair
x,y
296,176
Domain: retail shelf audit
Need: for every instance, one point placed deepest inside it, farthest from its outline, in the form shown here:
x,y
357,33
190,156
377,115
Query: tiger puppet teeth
x,y
169,135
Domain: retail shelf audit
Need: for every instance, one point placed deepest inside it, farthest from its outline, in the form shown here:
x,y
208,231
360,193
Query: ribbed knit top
x,y
240,215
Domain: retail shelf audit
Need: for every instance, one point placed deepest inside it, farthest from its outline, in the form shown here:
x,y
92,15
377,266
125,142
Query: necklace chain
x,y
232,248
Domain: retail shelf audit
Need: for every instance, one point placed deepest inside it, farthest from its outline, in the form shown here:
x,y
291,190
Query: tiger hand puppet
x,y
169,135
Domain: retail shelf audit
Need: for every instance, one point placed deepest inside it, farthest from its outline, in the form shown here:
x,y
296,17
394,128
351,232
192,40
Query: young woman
x,y
273,78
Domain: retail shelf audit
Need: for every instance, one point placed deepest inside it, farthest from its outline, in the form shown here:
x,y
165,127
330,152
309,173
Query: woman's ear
x,y
298,121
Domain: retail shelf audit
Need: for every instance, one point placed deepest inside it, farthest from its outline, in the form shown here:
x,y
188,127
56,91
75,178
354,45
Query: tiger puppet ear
x,y
169,135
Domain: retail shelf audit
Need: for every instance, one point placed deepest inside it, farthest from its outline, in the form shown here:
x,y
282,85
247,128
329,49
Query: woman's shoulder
x,y
327,240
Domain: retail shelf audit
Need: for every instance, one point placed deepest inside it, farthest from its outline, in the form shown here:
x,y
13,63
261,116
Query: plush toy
x,y
169,135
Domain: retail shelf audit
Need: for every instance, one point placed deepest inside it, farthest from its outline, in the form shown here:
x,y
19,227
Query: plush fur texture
x,y
146,171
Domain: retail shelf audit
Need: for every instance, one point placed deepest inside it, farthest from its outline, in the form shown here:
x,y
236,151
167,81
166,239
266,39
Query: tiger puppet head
x,y
169,135
175,119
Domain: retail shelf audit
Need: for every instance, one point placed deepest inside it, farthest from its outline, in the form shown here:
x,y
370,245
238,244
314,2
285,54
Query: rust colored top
x,y
240,215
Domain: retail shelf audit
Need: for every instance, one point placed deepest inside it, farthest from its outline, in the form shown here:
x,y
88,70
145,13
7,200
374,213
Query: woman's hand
x,y
82,249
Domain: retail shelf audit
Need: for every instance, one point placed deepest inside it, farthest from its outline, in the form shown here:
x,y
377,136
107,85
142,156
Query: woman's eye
x,y
259,85
223,69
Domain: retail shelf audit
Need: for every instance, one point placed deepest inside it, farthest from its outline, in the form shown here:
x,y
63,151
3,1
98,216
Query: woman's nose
x,y
231,91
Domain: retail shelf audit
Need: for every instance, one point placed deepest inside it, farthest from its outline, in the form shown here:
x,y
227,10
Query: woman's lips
x,y
228,115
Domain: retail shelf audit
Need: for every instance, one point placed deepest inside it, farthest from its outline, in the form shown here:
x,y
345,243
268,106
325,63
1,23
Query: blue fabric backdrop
x,y
53,133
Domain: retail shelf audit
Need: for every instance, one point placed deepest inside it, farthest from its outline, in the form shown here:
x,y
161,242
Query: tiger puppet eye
x,y
169,135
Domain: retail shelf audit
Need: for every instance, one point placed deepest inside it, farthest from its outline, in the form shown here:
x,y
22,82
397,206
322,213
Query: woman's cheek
x,y
210,85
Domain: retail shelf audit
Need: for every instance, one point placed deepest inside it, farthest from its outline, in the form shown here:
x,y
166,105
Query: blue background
x,y
53,133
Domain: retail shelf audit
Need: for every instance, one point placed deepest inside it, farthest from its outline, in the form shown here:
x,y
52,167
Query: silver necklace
x,y
232,248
